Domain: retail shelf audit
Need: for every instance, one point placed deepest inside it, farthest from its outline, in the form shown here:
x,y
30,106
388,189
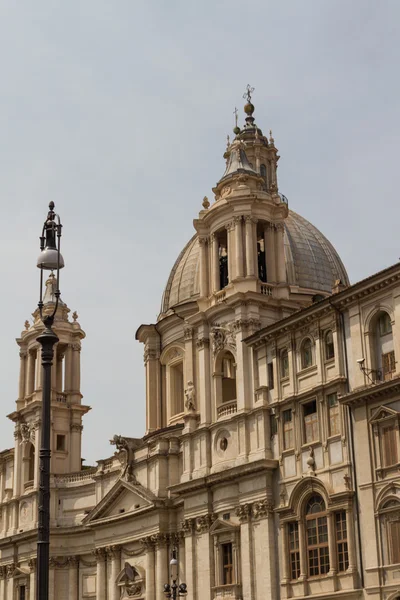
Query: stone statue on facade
x,y
190,395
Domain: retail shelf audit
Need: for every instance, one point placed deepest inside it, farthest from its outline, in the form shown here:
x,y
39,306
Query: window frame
x,y
341,540
284,364
293,544
303,360
329,355
319,550
314,422
288,429
333,413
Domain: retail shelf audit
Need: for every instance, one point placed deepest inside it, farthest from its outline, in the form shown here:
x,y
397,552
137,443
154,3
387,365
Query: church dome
x,y
311,263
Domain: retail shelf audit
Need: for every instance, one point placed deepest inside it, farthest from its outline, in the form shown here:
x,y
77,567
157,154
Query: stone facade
x,y
271,456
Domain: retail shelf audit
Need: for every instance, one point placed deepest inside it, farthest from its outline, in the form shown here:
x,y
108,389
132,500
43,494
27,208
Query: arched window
x,y
306,354
263,173
177,393
390,515
317,537
228,377
384,349
284,364
329,347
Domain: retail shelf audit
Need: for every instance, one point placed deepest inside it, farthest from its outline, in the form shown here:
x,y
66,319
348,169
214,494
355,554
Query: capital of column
x,y
202,343
2,572
23,354
188,527
76,427
188,333
100,554
32,564
147,543
203,240
244,512
262,509
160,539
73,561
204,523
10,570
113,552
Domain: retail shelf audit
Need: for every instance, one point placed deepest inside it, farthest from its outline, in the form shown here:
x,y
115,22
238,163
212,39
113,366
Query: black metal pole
x,y
46,339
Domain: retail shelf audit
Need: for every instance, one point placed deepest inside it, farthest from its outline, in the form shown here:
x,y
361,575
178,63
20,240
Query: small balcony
x,y
228,408
228,592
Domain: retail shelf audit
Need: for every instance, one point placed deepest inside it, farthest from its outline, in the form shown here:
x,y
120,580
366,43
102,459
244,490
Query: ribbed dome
x,y
311,262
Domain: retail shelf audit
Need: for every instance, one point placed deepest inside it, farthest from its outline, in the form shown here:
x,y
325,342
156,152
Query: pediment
x,y
382,413
124,498
223,527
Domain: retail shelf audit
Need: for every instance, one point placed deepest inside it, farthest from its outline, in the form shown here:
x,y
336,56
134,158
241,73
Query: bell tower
x,y
67,409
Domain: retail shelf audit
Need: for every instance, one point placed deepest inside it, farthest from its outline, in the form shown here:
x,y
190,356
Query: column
x,y
162,572
3,582
17,462
150,567
114,554
39,368
203,349
249,246
280,253
332,544
269,237
285,554
73,588
68,369
32,579
238,246
190,558
303,551
203,267
350,540
188,363
52,566
76,363
58,359
153,386
231,274
265,558
30,378
215,263
100,574
75,447
246,544
22,365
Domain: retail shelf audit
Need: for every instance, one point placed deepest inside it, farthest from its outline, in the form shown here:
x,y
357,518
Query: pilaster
x,y
239,263
203,351
148,544
280,253
250,246
114,556
73,582
162,574
269,235
203,243
100,555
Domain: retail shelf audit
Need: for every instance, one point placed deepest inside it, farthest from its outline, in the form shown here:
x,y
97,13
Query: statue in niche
x,y
190,395
262,273
223,268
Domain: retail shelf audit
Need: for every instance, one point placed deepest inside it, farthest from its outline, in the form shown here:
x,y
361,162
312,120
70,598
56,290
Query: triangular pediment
x,y
382,413
124,498
222,527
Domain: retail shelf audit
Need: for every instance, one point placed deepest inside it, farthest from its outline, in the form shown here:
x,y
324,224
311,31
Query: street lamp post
x,y
174,590
49,259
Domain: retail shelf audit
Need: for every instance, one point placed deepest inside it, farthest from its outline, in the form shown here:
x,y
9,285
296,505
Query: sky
x,y
119,112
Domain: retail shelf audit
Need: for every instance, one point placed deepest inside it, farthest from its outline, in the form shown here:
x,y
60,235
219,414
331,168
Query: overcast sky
x,y
118,111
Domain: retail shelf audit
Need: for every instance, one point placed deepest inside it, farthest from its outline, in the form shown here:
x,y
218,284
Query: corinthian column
x,y
250,246
114,554
280,253
32,579
203,267
148,544
22,365
162,575
73,588
239,247
100,574
30,377
269,234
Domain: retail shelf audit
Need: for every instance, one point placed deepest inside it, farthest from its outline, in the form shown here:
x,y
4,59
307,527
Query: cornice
x,y
372,392
265,464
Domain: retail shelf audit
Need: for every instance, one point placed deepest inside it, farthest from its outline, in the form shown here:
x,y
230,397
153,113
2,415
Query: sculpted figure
x,y
190,393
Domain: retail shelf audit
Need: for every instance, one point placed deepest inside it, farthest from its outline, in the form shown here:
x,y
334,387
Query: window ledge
x,y
285,379
309,369
329,361
306,445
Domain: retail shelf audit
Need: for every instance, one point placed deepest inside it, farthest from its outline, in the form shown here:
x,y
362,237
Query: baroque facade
x,y
271,454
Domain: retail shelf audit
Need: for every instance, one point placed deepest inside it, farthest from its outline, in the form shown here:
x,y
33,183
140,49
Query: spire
x,y
249,107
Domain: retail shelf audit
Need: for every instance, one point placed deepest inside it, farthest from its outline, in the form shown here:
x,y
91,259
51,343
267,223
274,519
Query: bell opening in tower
x,y
261,260
223,259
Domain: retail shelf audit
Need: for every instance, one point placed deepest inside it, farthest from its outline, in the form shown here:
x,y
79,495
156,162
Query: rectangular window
x,y
294,551
22,592
270,367
341,541
285,364
394,542
389,446
288,441
274,425
333,413
227,564
388,365
60,443
317,544
311,433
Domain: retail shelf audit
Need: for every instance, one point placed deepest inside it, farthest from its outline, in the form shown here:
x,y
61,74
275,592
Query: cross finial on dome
x,y
248,93
249,106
